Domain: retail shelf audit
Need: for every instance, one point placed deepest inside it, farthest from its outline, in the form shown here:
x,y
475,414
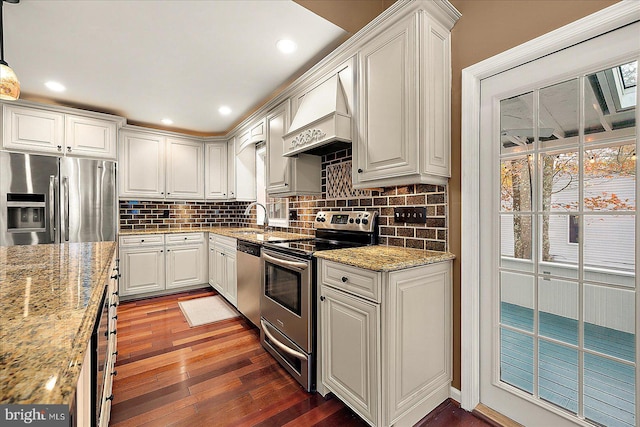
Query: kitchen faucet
x,y
266,214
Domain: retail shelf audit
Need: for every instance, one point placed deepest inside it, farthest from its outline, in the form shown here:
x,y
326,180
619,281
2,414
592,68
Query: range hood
x,y
323,118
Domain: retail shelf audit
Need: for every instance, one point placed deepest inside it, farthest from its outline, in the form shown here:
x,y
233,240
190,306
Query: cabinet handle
x,y
286,184
115,276
115,317
115,353
109,398
69,149
114,373
344,279
115,331
359,170
321,297
115,304
59,147
114,293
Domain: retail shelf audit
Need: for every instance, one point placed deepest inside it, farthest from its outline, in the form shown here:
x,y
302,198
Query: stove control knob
x,y
351,220
318,219
323,219
365,221
357,220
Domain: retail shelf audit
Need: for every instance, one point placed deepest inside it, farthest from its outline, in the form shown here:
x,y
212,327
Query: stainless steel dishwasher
x,y
249,274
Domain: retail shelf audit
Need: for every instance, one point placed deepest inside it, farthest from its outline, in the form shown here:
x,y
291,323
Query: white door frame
x,y
608,19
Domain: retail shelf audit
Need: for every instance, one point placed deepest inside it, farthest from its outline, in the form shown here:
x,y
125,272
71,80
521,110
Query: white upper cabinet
x,y
90,137
185,169
155,165
404,84
287,176
258,131
31,129
59,132
141,165
215,170
242,167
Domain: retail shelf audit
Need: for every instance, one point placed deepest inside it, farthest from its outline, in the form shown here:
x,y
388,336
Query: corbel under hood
x,y
323,118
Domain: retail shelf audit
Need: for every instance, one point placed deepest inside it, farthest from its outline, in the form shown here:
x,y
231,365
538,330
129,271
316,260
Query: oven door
x,y
286,296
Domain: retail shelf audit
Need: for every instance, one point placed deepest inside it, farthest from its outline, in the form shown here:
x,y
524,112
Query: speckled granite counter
x,y
384,258
255,235
49,299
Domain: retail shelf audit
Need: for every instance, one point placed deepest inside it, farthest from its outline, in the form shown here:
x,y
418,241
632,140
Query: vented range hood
x,y
323,117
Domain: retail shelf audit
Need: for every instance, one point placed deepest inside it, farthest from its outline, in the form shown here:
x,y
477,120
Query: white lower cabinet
x,y
149,264
222,267
385,340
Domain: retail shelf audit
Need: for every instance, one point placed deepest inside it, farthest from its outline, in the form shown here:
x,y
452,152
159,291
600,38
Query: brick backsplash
x,y
138,215
432,235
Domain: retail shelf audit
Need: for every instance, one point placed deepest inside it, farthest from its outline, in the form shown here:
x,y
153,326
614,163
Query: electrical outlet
x,y
165,213
293,215
415,215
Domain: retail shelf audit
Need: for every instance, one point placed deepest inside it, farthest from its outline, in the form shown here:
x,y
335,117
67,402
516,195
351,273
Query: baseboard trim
x,y
455,394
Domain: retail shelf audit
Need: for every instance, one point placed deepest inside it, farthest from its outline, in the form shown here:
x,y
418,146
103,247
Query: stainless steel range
x,y
287,306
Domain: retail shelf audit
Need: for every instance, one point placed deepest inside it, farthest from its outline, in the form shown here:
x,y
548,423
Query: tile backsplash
x,y
337,194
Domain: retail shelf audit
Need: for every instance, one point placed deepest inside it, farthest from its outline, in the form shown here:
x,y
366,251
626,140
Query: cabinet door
x,y
141,158
278,170
86,136
32,129
232,182
142,270
185,265
219,278
185,174
350,346
215,168
212,269
245,169
231,276
387,143
258,132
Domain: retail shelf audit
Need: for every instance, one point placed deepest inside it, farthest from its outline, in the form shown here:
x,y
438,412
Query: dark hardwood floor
x,y
216,375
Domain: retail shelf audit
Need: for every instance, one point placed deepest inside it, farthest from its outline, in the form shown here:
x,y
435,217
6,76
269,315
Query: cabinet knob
x,y
115,293
161,251
185,238
286,184
115,353
114,373
115,331
69,149
109,398
115,317
321,297
168,194
359,170
344,279
59,147
142,241
168,250
115,304
162,192
115,276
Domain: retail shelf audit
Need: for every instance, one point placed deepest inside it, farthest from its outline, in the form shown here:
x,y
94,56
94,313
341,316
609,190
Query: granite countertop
x,y
384,258
255,235
49,299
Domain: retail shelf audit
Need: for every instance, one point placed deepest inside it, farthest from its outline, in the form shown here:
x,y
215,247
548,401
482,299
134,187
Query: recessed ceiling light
x,y
167,121
55,86
286,46
224,110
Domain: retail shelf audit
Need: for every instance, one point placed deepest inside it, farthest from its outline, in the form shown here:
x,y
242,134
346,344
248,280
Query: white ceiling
x,y
154,59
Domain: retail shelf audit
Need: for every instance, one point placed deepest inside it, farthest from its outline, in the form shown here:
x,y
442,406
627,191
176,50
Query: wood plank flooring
x,y
169,374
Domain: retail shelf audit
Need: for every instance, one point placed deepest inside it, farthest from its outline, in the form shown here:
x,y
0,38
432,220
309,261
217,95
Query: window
x,y
278,208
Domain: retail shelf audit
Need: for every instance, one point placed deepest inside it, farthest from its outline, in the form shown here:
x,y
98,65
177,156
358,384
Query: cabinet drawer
x,y
225,241
137,240
172,239
364,283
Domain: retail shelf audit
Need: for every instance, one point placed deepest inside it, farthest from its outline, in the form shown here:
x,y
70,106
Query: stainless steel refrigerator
x,y
56,199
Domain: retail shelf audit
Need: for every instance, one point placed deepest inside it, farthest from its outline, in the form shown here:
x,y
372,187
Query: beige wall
x,y
488,27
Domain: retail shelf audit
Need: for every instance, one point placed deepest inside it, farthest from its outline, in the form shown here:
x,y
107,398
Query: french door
x,y
558,236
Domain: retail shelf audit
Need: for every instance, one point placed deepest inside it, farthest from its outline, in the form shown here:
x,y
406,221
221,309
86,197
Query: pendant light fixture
x,y
9,84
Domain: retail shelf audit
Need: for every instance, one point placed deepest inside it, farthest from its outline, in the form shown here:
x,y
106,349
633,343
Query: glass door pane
x,y
567,299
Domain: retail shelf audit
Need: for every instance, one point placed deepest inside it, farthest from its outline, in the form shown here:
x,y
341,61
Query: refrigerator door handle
x,y
52,208
65,184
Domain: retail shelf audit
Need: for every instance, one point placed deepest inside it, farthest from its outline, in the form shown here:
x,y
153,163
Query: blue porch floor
x,y
609,386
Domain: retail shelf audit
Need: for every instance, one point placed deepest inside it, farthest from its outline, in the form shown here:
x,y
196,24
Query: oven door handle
x,y
291,352
284,263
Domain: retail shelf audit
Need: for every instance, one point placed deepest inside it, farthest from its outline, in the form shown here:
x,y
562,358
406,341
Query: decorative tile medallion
x,y
339,183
